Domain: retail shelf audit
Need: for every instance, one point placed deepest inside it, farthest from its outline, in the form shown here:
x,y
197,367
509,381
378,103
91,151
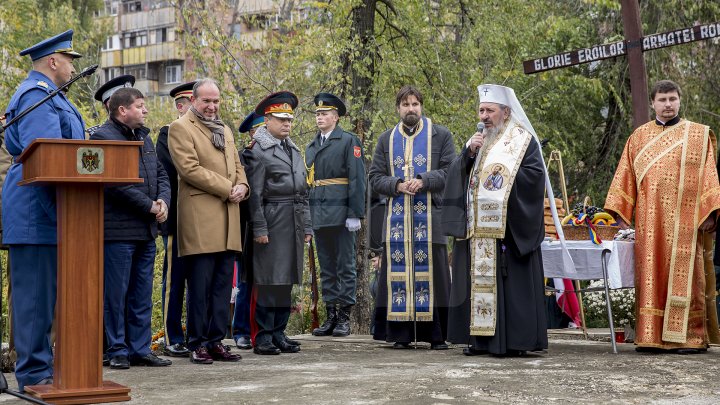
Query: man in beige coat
x,y
212,183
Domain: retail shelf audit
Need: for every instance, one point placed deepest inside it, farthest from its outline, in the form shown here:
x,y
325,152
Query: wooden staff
x,y
315,323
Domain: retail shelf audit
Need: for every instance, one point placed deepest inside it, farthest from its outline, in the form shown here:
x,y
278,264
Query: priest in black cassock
x,y
409,167
496,300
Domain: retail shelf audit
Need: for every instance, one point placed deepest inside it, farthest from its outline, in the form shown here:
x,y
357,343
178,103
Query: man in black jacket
x,y
132,213
410,167
174,272
337,204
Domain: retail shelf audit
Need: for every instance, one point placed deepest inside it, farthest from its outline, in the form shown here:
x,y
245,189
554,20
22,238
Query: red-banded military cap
x,y
281,104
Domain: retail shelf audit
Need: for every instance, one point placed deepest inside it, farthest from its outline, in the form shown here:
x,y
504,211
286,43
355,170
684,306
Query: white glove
x,y
352,224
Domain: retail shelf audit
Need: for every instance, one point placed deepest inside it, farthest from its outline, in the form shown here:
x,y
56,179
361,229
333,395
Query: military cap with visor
x,y
105,91
60,43
280,104
183,90
251,121
329,102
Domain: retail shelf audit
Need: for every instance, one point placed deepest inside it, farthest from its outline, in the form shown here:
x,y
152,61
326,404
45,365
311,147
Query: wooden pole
x,y
555,156
638,75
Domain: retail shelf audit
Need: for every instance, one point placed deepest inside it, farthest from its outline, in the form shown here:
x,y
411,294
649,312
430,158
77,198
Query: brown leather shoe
x,y
200,356
220,353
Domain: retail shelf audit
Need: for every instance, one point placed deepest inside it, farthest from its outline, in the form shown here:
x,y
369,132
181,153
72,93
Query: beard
x,y
491,135
410,120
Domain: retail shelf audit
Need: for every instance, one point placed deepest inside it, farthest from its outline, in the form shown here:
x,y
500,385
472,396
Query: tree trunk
x,y
361,32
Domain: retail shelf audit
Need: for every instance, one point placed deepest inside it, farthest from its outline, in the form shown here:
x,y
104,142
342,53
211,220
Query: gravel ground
x,y
358,370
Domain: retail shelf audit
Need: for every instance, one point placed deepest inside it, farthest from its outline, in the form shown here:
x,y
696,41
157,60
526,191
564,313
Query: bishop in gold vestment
x,y
667,177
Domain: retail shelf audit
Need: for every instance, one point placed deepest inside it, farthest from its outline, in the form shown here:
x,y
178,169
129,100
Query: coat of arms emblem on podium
x,y
90,161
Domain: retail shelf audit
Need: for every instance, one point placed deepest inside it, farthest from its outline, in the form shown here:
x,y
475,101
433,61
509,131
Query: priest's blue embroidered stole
x,y
408,229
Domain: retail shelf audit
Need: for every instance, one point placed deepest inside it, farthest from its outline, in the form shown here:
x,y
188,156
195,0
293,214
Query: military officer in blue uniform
x,y
28,212
337,204
108,89
174,271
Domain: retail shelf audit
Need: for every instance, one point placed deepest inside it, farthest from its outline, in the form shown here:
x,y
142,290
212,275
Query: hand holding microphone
x,y
478,139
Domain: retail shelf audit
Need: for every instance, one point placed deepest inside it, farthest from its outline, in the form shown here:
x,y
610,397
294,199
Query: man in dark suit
x,y
337,204
174,274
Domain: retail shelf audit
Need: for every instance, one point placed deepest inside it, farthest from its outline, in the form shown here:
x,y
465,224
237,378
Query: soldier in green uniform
x,y
337,204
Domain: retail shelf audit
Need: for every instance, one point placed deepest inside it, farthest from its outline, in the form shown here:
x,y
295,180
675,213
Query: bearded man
x,y
409,166
497,298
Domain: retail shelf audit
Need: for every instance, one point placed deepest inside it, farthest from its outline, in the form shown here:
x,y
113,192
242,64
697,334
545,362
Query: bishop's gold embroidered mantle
x,y
491,180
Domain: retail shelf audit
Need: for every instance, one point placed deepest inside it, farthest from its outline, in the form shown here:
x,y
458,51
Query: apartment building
x,y
146,42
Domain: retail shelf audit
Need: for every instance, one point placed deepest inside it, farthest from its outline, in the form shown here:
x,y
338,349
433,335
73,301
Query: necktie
x,y
322,140
286,147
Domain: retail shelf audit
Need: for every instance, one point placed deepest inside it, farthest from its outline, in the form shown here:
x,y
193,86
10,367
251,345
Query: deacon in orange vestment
x,y
667,176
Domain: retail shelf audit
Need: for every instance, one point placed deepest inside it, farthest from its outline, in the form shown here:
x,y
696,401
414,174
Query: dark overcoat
x,y
168,227
279,209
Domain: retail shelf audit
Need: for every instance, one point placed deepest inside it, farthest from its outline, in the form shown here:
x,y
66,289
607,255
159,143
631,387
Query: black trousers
x,y
208,303
272,312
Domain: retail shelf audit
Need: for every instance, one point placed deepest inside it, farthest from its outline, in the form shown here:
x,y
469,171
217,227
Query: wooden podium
x,y
80,170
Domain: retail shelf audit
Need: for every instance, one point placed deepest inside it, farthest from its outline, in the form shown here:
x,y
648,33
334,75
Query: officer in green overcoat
x,y
336,175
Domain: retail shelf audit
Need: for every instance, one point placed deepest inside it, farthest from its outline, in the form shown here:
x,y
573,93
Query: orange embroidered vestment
x,y
667,176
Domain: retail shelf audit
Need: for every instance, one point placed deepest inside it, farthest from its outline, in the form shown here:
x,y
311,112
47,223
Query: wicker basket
x,y
604,232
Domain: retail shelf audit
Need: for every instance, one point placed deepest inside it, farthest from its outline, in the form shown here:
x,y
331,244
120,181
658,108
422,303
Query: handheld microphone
x,y
480,127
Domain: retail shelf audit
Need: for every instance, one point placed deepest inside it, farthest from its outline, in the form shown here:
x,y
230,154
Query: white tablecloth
x,y
587,258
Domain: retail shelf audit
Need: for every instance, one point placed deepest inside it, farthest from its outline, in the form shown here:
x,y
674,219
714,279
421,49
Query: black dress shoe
x,y
286,348
438,346
45,381
291,341
266,348
643,349
106,360
219,352
119,363
176,350
243,343
690,351
511,353
401,345
200,356
149,360
470,351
